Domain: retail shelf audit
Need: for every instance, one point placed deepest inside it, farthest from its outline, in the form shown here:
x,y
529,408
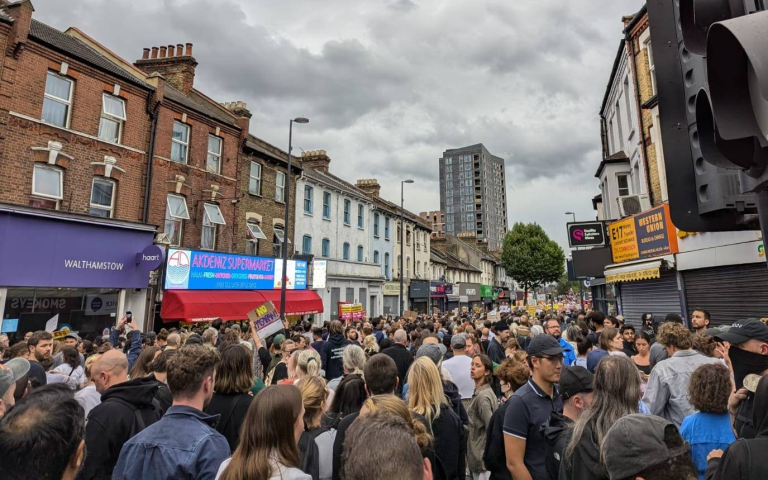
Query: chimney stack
x,y
370,186
316,160
21,12
243,120
173,63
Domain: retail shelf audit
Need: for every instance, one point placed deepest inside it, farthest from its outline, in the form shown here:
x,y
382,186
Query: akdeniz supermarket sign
x,y
199,270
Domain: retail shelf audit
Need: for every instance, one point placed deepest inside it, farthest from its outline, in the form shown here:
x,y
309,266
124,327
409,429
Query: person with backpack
x,y
232,392
184,444
126,408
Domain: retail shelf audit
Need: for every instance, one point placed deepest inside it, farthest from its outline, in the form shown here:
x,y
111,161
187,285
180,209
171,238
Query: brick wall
x,y
197,185
22,88
263,208
644,93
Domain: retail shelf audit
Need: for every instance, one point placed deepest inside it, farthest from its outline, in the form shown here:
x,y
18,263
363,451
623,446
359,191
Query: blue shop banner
x,y
199,270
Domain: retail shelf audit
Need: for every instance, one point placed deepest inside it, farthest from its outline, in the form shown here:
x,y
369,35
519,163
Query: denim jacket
x,y
182,445
667,392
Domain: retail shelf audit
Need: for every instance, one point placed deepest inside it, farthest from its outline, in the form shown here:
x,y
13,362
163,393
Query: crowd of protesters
x,y
572,395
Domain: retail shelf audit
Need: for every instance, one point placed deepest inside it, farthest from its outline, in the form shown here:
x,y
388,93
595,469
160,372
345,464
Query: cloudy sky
x,y
388,85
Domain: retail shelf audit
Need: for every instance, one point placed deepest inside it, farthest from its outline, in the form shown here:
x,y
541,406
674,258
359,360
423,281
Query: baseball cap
x,y
15,369
744,330
575,380
638,442
430,350
459,341
500,326
278,340
544,345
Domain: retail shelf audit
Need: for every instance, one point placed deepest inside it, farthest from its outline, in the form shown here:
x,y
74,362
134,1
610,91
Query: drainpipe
x,y
633,66
153,114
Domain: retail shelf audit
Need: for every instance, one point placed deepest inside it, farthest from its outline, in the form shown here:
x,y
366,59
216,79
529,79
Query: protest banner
x,y
265,319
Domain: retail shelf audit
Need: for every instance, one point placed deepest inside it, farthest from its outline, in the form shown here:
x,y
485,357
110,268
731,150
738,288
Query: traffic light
x,y
712,90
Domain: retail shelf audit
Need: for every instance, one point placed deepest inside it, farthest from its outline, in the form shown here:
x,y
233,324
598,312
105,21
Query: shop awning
x,y
208,305
645,270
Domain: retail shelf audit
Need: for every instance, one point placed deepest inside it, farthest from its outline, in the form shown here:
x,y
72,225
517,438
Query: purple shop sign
x,y
37,251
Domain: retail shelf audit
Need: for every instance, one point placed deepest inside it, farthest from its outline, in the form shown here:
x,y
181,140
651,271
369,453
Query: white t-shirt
x,y
458,367
88,398
279,472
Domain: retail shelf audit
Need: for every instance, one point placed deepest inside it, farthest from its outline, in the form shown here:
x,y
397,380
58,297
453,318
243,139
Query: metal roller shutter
x,y
659,296
728,293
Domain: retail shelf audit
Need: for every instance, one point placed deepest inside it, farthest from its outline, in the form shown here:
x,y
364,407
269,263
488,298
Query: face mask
x,y
745,362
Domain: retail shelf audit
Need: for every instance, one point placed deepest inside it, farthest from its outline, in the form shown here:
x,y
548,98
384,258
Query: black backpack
x,y
142,417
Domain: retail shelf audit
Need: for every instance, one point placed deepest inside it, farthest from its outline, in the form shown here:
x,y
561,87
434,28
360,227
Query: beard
x,y
46,362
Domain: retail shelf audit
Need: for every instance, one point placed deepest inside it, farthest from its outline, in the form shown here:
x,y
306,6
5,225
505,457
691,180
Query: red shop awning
x,y
208,305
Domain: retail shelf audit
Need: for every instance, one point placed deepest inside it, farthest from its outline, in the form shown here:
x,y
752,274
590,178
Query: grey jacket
x,y
480,411
667,392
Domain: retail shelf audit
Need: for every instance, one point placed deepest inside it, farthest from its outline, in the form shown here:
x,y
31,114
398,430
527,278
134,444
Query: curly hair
x,y
513,372
674,334
704,345
188,368
709,388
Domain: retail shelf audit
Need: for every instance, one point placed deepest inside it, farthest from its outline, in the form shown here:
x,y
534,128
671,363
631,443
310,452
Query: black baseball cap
x,y
500,326
544,345
744,330
574,380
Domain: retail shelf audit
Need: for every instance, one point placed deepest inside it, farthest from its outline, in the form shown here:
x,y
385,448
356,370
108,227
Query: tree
x,y
531,258
564,286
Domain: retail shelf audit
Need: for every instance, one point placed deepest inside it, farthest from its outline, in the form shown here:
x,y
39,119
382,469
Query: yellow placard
x,y
531,310
644,274
623,240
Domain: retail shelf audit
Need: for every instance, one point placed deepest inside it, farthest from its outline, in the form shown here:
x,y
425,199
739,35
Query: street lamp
x,y
574,216
284,272
402,241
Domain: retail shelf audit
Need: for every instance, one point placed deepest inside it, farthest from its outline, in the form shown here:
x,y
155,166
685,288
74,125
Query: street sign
x,y
645,235
587,283
586,234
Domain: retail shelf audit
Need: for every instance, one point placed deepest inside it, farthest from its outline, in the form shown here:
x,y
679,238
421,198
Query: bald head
x,y
110,369
401,337
174,340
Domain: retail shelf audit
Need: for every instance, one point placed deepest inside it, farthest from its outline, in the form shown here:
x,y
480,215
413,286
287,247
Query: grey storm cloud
x,y
390,84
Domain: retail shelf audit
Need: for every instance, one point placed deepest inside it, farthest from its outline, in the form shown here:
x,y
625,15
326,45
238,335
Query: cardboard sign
x,y
266,320
410,315
504,309
494,316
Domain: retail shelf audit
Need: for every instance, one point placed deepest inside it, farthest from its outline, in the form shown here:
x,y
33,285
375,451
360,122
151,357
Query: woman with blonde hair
x,y
370,347
314,397
308,365
353,361
427,398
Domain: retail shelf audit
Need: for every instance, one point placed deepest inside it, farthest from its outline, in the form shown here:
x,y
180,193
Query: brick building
x,y
261,209
74,136
437,220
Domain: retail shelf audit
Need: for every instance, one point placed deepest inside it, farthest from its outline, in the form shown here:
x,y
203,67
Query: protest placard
x,y
266,319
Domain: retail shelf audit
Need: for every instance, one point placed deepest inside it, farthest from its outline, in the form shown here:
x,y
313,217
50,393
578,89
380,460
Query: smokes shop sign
x,y
645,235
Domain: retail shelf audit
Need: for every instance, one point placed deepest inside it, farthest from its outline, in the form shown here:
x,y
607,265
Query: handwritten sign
x,y
265,319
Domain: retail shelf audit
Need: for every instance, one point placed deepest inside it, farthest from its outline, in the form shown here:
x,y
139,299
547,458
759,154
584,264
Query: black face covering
x,y
745,362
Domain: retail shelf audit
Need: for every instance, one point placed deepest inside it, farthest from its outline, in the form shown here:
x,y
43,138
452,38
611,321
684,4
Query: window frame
x,y
375,225
325,250
651,66
257,178
212,225
309,192
175,218
111,209
619,188
53,98
258,234
376,257
345,251
214,154
347,212
185,145
280,239
360,253
326,205
280,197
306,245
361,216
386,228
59,172
113,118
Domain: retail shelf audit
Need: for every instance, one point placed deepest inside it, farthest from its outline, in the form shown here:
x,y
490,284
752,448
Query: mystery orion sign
x,y
645,235
198,270
586,234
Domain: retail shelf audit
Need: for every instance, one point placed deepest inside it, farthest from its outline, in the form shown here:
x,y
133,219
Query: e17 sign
x,y
586,234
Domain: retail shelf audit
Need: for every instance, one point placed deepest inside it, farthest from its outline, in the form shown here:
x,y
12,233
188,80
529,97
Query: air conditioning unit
x,y
633,204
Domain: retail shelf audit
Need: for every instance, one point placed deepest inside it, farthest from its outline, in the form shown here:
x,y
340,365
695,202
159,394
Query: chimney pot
x,y
189,50
145,55
179,49
162,52
154,52
170,51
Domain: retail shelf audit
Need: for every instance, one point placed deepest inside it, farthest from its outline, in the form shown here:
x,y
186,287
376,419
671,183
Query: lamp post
x,y
402,242
581,288
574,215
283,282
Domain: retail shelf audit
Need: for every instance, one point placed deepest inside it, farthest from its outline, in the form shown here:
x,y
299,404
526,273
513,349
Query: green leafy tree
x,y
531,258
564,285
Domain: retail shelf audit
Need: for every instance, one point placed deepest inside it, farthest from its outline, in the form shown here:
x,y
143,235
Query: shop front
x,y
85,272
470,296
643,248
487,296
391,292
418,294
202,286
437,297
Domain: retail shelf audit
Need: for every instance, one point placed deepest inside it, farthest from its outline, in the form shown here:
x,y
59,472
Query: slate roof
x,y
199,103
75,48
335,182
